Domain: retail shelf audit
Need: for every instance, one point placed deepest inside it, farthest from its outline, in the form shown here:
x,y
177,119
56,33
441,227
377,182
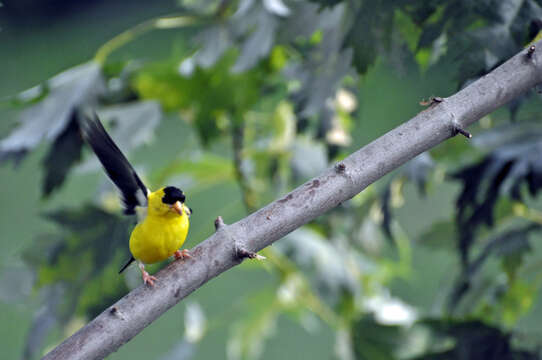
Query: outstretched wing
x,y
117,167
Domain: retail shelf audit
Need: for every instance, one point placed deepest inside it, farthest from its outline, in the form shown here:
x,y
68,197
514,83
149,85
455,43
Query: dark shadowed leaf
x,y
473,340
502,172
326,2
91,233
374,341
370,33
75,268
62,155
510,245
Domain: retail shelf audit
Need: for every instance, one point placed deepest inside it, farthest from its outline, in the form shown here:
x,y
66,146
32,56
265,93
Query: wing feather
x,y
117,167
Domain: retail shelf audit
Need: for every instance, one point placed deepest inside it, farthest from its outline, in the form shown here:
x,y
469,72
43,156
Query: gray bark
x,y
131,314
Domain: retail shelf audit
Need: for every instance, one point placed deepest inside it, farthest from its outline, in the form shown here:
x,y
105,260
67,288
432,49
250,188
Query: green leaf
x,y
371,31
517,301
373,341
207,96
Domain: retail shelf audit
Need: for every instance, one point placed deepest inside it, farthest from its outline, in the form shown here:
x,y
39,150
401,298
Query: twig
x,y
465,133
238,138
217,254
530,51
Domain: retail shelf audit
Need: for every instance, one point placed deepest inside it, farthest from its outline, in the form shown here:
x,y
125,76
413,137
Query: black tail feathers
x,y
127,264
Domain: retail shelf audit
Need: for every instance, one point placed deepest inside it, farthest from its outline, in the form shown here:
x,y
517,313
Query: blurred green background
x,y
343,287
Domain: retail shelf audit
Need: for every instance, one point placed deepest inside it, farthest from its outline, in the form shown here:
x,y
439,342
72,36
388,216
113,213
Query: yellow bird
x,y
163,221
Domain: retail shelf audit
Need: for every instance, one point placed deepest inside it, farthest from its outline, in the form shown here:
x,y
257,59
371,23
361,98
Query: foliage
x,y
266,93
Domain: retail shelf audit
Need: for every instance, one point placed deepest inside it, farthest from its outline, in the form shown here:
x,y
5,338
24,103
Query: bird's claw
x,y
182,254
148,279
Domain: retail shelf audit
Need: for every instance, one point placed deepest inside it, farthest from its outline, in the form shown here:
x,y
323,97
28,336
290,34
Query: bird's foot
x,y
182,254
148,279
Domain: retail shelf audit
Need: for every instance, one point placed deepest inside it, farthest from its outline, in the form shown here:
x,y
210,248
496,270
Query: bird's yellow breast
x,y
158,237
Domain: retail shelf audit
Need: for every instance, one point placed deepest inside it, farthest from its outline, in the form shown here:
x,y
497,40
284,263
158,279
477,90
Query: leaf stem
x,y
165,22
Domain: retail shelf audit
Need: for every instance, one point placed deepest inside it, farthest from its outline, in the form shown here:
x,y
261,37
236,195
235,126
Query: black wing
x,y
119,170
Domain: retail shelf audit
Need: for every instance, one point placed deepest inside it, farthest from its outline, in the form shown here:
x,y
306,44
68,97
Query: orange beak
x,y
178,207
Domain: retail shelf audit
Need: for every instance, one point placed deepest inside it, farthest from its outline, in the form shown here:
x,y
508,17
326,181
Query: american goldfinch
x,y
163,221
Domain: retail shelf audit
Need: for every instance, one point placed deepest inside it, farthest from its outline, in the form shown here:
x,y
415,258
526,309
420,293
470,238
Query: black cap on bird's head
x,y
172,195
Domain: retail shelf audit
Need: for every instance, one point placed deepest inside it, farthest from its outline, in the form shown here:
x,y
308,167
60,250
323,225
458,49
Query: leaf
x,y
517,300
47,119
329,3
511,245
214,41
324,62
260,41
502,172
45,319
130,126
375,21
98,236
75,268
276,7
210,98
473,340
62,155
418,170
507,134
373,341
133,124
331,276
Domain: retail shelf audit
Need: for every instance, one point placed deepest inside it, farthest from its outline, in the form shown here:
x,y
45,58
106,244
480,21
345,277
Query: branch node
x,y
242,253
340,167
432,101
530,51
459,130
219,222
115,312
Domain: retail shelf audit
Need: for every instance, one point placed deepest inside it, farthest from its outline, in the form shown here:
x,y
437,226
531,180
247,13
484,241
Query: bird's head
x,y
169,200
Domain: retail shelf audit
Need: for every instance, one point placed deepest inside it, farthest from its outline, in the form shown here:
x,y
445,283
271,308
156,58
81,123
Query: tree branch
x,y
107,332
